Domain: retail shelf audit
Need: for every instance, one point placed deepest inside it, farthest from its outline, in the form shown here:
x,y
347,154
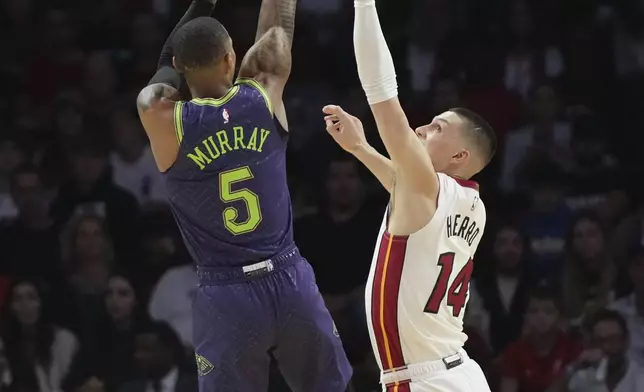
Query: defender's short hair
x,y
200,42
480,131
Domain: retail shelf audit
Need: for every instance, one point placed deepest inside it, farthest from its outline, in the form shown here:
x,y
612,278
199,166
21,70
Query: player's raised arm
x,y
378,78
269,60
156,102
348,132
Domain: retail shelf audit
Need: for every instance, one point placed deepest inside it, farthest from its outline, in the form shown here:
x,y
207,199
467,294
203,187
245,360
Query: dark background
x,y
89,251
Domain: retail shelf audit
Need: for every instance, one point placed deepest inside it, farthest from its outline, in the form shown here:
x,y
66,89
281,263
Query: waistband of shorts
x,y
423,370
229,275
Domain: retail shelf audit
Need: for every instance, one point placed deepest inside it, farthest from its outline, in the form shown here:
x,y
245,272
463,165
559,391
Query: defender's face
x,y
442,139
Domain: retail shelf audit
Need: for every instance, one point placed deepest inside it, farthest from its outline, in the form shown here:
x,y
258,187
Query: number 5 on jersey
x,y
226,181
457,291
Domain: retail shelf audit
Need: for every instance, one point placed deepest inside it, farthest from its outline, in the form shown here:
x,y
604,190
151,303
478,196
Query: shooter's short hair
x,y
480,132
200,42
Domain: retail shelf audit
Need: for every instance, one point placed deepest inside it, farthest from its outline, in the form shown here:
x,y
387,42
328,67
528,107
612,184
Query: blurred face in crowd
x,y
88,167
100,80
588,243
608,336
89,241
25,303
127,134
151,355
636,272
11,156
544,104
343,184
508,249
542,316
30,195
120,299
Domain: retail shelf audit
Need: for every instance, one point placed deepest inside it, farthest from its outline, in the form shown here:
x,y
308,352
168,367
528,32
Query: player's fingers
x,y
333,118
331,126
335,110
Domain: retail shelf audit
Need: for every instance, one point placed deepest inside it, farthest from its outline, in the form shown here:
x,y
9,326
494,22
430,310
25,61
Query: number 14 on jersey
x,y
456,292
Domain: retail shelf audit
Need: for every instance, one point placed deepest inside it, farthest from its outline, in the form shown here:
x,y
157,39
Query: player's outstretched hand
x,y
345,129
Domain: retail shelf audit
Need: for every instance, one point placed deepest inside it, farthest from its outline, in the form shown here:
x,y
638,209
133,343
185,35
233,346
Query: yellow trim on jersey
x,y
385,340
217,101
254,83
178,120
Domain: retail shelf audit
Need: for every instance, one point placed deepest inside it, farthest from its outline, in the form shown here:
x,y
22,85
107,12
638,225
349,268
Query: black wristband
x,y
197,9
167,75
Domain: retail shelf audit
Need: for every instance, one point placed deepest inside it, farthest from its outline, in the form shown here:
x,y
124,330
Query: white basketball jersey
x,y
418,285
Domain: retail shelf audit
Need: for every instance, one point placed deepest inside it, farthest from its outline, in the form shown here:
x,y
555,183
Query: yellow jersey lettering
x,y
222,137
252,143
239,137
200,158
264,135
211,146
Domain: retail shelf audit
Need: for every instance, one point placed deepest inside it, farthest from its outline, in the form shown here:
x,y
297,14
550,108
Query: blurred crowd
x,y
96,286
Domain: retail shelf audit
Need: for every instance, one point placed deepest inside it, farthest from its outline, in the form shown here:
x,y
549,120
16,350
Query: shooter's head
x,y
460,142
203,52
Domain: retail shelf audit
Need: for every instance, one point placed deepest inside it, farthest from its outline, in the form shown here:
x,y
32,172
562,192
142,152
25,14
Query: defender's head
x,y
203,52
459,141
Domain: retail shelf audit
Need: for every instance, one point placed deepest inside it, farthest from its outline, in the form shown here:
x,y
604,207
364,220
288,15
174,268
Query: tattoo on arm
x,y
154,93
287,16
277,13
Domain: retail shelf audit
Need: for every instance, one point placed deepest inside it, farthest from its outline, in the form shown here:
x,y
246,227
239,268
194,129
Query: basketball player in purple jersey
x,y
222,155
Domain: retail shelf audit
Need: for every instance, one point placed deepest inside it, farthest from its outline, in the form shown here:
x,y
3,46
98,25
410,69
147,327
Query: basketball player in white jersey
x,y
419,280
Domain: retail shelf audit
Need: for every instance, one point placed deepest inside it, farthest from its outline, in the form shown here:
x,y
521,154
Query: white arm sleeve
x,y
375,64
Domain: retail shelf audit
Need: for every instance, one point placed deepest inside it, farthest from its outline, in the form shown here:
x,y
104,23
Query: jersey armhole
x,y
257,86
178,120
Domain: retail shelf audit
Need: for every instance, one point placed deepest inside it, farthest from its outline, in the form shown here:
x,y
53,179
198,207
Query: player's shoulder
x,y
455,185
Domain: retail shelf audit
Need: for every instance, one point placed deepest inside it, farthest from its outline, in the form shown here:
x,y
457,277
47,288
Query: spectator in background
x,y
589,273
161,249
12,156
595,172
89,256
547,223
528,57
346,222
133,166
631,307
39,352
503,291
30,244
100,85
91,190
171,300
159,356
545,138
540,357
58,49
107,357
52,151
605,365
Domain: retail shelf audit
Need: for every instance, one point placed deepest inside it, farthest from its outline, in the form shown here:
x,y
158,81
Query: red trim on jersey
x,y
404,387
466,183
384,300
